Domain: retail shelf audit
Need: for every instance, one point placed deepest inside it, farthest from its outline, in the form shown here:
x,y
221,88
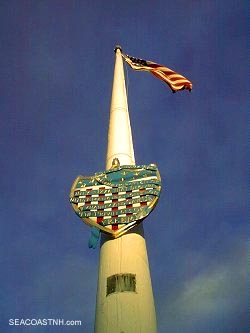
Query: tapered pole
x,y
124,311
120,143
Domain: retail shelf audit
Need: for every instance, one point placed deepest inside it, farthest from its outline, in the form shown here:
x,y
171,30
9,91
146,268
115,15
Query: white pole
x,y
123,311
120,143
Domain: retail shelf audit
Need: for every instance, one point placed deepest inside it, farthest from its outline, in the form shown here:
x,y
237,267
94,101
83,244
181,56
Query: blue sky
x,y
56,76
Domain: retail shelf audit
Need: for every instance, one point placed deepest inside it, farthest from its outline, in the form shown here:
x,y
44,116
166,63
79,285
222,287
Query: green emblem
x,y
117,199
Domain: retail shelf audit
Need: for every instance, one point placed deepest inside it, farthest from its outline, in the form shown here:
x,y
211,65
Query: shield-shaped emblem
x,y
117,199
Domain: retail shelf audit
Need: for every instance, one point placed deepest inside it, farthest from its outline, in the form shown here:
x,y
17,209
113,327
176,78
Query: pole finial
x,y
117,47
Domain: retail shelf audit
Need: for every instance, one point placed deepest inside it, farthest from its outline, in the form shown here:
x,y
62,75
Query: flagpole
x,y
130,311
120,143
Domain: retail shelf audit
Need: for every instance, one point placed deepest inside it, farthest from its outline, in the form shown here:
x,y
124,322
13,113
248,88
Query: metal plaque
x,y
118,283
117,199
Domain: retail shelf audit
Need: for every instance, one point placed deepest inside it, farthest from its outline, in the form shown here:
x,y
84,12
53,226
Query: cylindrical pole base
x,y
125,300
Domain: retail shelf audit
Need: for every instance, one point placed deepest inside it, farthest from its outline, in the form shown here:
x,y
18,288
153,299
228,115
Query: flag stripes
x,y
174,80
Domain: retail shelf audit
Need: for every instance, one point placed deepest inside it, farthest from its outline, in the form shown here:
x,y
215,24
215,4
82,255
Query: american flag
x,y
174,80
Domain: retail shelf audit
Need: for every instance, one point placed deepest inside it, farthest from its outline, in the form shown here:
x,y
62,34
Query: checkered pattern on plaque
x,y
119,203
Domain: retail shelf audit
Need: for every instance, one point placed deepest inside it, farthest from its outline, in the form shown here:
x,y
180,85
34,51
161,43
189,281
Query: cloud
x,y
210,301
